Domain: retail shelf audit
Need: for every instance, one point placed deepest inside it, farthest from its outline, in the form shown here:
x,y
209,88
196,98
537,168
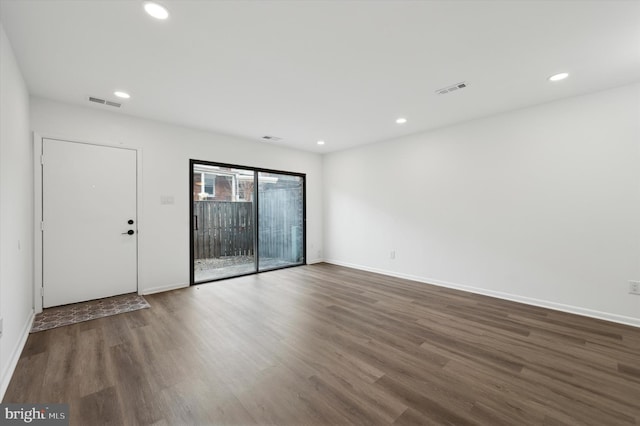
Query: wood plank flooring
x,y
327,345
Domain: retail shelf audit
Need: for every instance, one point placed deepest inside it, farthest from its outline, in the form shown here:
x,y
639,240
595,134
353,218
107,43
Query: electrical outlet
x,y
392,255
634,287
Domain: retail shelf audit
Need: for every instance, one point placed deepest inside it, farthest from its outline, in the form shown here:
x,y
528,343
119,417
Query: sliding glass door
x,y
244,220
280,220
223,222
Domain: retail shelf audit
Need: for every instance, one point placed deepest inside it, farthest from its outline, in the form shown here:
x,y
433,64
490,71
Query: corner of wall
x,y
538,205
16,212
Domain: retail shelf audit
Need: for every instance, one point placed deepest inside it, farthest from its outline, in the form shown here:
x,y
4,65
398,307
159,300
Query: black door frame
x,y
255,170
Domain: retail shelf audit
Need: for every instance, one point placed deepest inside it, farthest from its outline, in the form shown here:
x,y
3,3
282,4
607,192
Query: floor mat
x,y
85,311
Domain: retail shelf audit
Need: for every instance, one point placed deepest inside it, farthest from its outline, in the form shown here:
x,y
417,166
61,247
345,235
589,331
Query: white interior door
x,y
89,211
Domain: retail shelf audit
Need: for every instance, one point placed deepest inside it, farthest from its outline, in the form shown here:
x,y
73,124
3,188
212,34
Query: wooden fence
x,y
222,228
227,229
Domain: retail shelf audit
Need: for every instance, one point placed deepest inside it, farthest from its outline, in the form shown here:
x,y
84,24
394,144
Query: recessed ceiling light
x,y
320,142
156,10
401,120
558,77
123,95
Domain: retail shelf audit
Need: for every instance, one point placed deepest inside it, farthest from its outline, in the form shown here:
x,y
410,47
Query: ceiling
x,y
339,71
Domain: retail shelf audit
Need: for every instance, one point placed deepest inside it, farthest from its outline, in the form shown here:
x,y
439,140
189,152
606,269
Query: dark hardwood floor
x,y
329,345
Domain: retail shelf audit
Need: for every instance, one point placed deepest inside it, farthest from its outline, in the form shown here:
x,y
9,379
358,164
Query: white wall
x,y
16,212
540,205
166,150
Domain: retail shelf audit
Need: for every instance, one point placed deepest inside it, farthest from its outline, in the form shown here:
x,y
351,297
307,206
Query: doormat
x,y
85,311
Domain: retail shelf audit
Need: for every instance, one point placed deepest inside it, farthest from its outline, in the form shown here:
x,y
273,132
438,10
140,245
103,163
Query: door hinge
x,y
42,291
41,225
42,159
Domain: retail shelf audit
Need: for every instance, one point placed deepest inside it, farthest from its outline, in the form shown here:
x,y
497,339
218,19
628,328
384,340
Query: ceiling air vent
x,y
104,102
271,138
451,88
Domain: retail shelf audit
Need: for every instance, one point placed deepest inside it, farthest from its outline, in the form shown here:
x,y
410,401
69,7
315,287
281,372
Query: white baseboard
x,y
621,319
313,261
160,289
15,356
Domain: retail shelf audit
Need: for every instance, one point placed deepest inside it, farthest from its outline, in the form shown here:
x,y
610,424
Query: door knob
x,y
130,221
129,232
